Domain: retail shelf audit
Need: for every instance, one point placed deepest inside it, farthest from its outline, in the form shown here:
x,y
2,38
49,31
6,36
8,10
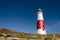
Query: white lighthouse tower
x,y
40,23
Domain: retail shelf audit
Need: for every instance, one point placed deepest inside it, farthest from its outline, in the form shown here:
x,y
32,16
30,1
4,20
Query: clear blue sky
x,y
21,15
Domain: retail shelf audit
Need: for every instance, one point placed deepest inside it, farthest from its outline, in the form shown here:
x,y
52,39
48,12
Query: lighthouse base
x,y
41,31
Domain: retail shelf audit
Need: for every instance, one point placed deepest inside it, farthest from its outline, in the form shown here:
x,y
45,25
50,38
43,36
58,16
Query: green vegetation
x,y
7,33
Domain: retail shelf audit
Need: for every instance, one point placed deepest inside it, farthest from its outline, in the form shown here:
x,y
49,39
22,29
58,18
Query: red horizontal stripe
x,y
40,24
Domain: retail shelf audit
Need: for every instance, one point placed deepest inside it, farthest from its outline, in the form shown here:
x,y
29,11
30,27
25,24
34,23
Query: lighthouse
x,y
40,22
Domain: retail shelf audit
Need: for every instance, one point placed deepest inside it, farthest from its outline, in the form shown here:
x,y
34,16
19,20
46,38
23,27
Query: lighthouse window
x,y
43,29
